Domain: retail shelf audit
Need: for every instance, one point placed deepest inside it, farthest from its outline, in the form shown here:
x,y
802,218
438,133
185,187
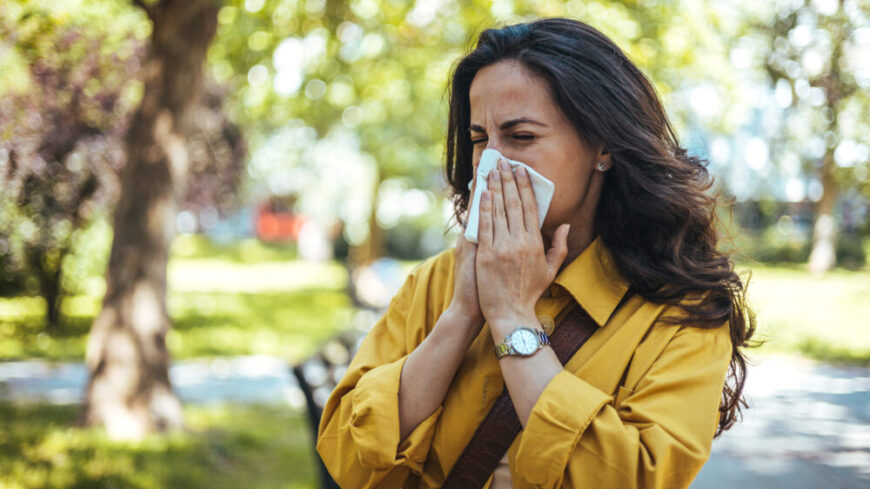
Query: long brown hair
x,y
655,213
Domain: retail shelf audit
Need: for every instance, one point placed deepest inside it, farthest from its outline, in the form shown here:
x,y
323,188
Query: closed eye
x,y
521,137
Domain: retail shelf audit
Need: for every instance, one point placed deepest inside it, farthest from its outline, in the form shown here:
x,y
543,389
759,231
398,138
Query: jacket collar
x,y
594,282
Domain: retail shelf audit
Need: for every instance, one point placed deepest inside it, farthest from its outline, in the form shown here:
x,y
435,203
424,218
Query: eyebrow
x,y
509,124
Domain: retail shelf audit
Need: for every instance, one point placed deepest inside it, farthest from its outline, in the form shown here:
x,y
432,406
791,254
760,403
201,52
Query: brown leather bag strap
x,y
501,425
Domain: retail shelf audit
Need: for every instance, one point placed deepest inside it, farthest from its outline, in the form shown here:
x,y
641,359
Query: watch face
x,y
524,341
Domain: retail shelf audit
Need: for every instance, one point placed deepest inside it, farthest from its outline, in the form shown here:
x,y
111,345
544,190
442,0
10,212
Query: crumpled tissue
x,y
543,189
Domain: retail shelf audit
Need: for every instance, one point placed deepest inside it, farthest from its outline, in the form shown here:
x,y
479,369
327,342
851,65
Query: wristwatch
x,y
522,342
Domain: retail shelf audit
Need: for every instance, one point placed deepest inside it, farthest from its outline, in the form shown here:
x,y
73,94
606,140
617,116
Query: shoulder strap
x,y
501,425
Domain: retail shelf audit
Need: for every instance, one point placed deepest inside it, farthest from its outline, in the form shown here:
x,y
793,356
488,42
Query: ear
x,y
602,159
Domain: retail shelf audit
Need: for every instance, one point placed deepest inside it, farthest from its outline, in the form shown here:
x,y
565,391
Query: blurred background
x,y
204,204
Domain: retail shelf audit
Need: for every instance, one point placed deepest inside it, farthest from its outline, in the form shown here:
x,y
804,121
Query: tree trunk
x,y
48,273
50,290
824,252
823,256
129,391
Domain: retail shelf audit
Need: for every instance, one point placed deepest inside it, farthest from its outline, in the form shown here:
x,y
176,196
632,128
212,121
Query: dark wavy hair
x,y
655,213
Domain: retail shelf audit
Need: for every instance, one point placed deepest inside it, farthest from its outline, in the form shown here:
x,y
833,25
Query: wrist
x,y
469,315
458,321
502,325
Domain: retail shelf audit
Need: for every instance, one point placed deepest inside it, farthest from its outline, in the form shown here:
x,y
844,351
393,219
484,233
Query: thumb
x,y
558,249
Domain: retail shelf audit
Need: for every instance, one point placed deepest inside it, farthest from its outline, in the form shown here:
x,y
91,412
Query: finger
x,y
559,249
527,196
484,226
499,219
512,203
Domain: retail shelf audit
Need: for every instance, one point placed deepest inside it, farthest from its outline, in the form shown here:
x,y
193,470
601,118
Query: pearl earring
x,y
601,165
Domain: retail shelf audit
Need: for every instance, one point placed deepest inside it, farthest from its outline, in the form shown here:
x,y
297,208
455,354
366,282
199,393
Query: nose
x,y
491,143
494,143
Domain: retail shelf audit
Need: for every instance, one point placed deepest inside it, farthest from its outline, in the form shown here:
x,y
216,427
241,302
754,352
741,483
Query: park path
x,y
808,425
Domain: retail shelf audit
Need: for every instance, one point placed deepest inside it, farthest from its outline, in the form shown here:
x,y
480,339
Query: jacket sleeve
x,y
358,436
658,435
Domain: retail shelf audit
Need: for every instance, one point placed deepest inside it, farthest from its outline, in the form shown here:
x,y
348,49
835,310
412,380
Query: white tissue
x,y
488,160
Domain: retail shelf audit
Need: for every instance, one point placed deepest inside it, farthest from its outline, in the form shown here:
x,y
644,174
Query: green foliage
x,y
775,247
852,251
780,244
61,128
416,238
370,76
227,447
814,53
72,84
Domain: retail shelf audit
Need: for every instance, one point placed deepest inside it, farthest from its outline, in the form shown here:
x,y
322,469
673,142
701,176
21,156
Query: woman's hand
x,y
465,303
465,297
513,270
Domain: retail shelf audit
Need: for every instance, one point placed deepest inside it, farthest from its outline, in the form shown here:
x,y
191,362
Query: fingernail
x,y
521,172
503,165
494,175
485,196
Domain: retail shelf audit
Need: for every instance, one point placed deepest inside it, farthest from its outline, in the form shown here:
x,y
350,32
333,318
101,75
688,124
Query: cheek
x,y
571,188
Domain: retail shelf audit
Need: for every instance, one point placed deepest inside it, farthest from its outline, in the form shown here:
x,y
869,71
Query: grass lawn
x,y
826,318
219,304
230,446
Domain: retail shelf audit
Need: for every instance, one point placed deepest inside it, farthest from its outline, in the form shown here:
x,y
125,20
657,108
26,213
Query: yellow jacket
x,y
636,406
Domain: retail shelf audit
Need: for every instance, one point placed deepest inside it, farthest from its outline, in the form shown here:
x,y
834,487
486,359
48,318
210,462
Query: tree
x,y
69,87
129,389
816,58
61,142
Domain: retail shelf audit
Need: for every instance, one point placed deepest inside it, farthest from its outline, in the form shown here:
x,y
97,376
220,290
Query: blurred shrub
x,y
786,240
12,279
340,247
61,141
772,246
63,119
851,251
416,238
776,245
772,232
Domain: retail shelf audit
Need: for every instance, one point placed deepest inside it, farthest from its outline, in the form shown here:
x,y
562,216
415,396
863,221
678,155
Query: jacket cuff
x,y
560,416
374,422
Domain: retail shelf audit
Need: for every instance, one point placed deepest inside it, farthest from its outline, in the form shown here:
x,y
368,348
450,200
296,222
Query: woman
x,y
629,236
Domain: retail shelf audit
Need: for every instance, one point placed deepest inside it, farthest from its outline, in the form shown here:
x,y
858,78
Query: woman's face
x,y
512,112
